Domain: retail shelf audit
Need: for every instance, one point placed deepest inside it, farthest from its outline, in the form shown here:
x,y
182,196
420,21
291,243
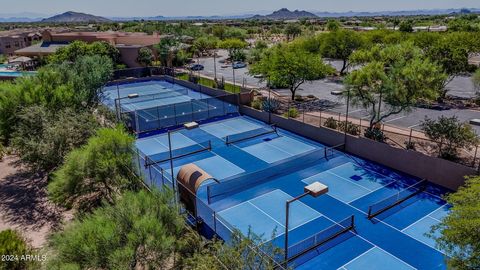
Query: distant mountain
x,y
396,13
22,17
282,14
75,17
285,14
184,18
18,19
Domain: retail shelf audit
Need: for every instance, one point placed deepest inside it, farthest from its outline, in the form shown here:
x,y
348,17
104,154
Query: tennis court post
x,y
315,190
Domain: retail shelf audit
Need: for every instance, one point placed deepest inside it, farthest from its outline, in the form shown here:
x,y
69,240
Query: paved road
x,y
461,86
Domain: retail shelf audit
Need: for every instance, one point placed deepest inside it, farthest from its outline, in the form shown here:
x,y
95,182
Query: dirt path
x,y
23,203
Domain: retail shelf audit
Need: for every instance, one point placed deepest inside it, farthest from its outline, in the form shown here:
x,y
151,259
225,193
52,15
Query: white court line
x,y
290,197
386,224
436,219
343,266
342,178
231,207
366,169
427,215
166,147
319,215
388,253
394,180
361,237
333,196
301,202
375,190
290,154
349,181
276,221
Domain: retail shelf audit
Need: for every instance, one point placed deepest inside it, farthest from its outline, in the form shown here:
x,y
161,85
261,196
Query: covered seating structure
x,y
189,179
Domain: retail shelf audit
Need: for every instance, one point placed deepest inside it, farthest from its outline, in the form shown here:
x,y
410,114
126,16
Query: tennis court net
x,y
178,153
246,180
396,199
321,238
141,98
250,134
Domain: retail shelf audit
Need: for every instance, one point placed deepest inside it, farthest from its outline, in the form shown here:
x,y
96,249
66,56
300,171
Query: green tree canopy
x,y
43,137
166,50
476,80
12,244
145,56
457,234
340,45
293,30
205,44
451,52
406,26
333,25
138,232
289,65
56,86
392,80
78,49
450,135
234,47
99,171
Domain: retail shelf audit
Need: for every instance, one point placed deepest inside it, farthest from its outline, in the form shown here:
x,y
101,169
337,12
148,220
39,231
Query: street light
x,y
188,126
315,190
215,64
233,70
346,118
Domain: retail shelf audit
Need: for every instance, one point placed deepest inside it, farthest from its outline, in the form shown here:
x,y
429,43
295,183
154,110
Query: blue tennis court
x,y
153,105
267,217
378,217
145,88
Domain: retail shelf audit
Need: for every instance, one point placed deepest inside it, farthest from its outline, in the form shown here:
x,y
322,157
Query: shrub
x,y
292,113
95,173
192,78
2,151
270,105
410,146
331,123
257,104
219,84
457,233
376,134
11,243
299,98
42,138
450,135
139,231
349,127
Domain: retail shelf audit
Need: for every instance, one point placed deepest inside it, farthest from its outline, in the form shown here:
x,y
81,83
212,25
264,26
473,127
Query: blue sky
x,y
218,7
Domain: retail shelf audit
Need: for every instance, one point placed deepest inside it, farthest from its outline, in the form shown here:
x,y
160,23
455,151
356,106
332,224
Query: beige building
x,y
13,40
127,43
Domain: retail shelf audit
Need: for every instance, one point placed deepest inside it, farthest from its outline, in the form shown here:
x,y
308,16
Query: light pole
x,y
215,64
233,70
170,152
346,118
315,189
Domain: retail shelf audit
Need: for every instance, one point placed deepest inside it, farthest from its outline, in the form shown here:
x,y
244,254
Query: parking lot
x,y
461,86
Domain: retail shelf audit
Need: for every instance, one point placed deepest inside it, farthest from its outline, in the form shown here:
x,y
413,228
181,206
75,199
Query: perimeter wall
x,y
439,171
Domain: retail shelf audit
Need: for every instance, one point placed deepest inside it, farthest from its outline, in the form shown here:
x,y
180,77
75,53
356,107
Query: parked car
x,y
196,67
238,65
